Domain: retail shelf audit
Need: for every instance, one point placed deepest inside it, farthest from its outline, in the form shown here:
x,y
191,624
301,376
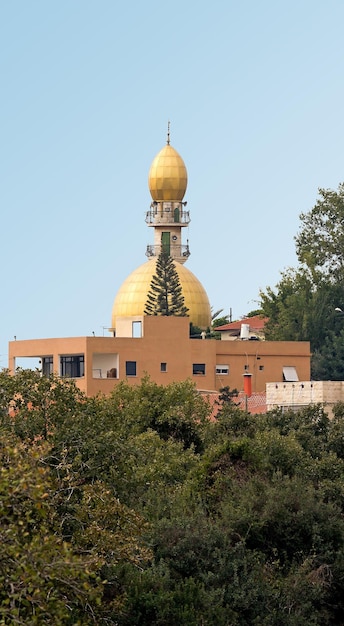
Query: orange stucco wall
x,y
166,340
264,360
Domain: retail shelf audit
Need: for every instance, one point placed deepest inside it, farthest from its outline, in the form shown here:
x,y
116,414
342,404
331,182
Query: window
x,y
47,365
137,329
130,368
163,367
290,374
222,370
72,366
198,368
261,368
166,243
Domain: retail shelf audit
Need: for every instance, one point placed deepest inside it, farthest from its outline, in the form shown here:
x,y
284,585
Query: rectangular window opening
x,y
163,367
72,366
198,368
130,368
137,330
290,374
47,365
222,370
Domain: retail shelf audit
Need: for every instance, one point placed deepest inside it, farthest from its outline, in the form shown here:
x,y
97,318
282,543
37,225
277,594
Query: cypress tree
x,y
165,296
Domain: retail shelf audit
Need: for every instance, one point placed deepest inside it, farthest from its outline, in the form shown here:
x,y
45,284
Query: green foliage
x,y
299,311
302,305
254,313
310,427
176,410
42,579
288,307
227,395
328,362
320,242
220,321
165,296
215,314
37,403
195,331
135,508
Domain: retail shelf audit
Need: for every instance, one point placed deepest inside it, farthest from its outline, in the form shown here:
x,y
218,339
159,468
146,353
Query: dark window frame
x,y
198,369
72,365
130,368
47,365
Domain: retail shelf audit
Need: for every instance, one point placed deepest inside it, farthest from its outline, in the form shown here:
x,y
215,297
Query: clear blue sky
x,y
255,94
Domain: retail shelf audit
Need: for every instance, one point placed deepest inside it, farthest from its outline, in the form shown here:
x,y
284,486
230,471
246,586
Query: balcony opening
x,y
105,365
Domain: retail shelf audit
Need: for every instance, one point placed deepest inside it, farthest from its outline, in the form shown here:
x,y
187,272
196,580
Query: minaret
x,y
167,182
167,216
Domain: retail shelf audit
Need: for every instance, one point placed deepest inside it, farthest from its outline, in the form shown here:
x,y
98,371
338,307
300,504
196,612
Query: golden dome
x,y
132,296
168,177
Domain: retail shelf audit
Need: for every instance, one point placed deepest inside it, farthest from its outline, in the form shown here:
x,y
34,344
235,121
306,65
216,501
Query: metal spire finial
x,y
168,132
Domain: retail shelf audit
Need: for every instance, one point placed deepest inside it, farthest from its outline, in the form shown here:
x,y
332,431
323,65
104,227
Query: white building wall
x,y
300,394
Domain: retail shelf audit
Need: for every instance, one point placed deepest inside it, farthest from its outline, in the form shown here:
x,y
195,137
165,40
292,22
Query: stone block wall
x,y
299,394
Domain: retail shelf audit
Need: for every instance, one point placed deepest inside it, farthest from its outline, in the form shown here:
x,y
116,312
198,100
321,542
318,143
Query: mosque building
x,y
161,346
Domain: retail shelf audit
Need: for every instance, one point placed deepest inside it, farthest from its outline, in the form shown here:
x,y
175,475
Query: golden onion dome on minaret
x,y
168,177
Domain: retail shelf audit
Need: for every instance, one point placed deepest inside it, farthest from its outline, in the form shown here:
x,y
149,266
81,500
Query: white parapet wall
x,y
295,395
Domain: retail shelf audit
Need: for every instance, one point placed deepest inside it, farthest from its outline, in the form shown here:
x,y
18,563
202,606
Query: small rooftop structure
x,y
247,328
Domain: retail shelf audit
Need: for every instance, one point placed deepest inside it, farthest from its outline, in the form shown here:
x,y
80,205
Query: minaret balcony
x,y
167,216
176,251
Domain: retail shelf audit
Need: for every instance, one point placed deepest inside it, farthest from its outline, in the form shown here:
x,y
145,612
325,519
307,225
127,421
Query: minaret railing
x,y
176,251
159,214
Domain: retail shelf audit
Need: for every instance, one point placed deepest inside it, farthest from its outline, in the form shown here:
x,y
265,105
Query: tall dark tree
x,y
302,305
320,241
165,296
328,363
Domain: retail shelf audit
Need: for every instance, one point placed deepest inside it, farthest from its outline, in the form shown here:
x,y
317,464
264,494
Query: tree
x,y
320,242
136,509
287,307
298,311
302,305
226,396
220,321
43,579
217,320
165,296
34,404
328,363
254,313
